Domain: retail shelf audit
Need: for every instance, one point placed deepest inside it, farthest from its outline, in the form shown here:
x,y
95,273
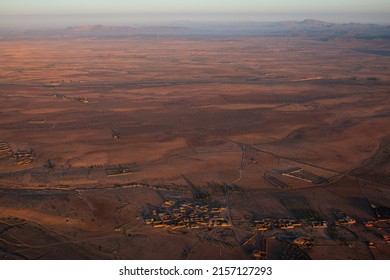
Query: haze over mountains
x,y
312,28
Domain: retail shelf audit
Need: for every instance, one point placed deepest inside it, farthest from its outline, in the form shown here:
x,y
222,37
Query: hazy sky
x,y
19,12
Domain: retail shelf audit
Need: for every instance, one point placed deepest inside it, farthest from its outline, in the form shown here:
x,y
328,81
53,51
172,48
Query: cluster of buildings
x,y
77,99
107,166
273,223
162,187
118,171
382,224
178,215
382,227
343,219
113,170
24,156
318,224
21,156
81,100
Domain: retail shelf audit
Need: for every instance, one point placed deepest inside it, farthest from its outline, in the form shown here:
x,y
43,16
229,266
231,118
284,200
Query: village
x,y
176,215
21,156
186,214
204,210
293,233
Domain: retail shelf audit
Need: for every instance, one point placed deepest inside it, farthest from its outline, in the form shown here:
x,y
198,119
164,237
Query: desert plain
x,y
194,147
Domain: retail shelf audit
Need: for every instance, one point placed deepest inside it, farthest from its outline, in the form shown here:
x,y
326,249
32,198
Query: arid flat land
x,y
111,146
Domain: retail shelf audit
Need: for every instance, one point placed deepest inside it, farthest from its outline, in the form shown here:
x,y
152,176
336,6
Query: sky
x,y
74,12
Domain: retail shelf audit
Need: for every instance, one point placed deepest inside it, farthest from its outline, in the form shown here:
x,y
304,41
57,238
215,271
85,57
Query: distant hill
x,y
309,28
122,29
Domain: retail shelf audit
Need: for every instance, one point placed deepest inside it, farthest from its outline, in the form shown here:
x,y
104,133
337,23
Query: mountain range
x,y
312,28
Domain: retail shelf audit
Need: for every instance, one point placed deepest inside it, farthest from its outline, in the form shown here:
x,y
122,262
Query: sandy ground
x,y
191,112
